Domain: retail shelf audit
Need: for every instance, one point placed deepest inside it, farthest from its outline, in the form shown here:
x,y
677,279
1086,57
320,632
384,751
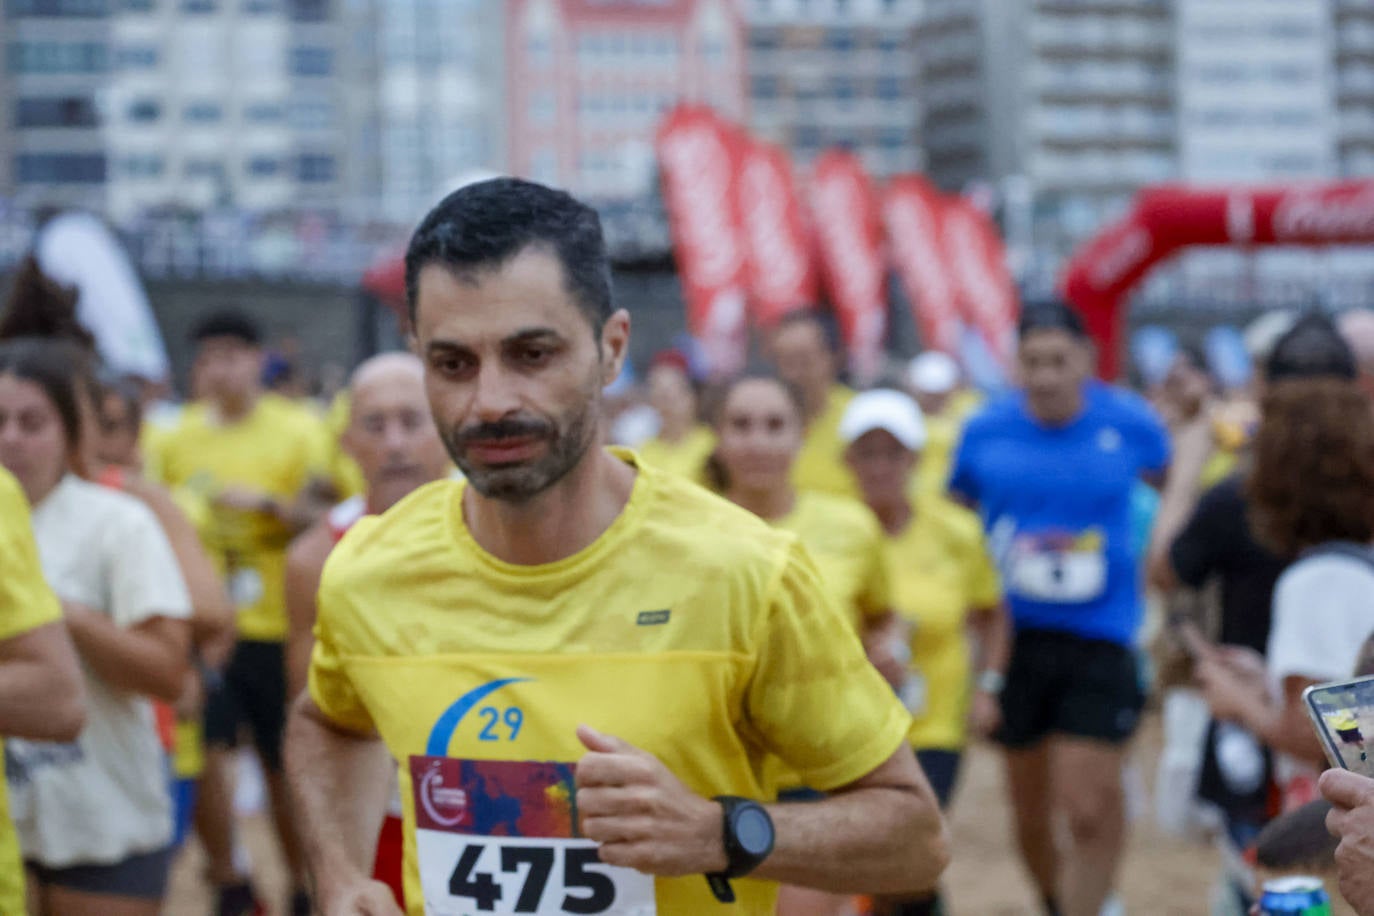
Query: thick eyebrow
x,y
533,335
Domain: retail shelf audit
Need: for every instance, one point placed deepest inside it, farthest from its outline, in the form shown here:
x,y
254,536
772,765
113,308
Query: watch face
x,y
754,831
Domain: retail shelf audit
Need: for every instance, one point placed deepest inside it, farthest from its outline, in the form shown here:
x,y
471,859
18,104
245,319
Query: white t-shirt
x,y
1323,613
103,797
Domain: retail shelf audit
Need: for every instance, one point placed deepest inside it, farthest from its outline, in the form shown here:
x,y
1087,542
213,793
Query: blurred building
x,y
1354,84
826,73
439,109
589,80
57,62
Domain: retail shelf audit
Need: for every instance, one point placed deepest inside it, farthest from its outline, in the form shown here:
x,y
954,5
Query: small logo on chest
x,y
653,618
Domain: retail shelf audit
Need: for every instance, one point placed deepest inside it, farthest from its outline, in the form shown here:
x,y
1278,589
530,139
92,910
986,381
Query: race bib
x,y
499,837
1058,568
245,587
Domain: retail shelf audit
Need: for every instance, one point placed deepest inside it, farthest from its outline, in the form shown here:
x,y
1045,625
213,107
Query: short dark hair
x,y
228,322
821,321
1312,348
1298,840
1051,315
484,225
59,367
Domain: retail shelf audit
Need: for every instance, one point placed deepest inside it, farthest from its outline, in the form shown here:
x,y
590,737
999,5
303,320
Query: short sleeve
x,y
1151,437
329,685
963,478
984,585
1322,616
814,700
1196,552
876,595
145,579
26,601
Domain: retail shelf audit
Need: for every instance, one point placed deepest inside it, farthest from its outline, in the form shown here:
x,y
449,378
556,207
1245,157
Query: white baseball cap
x,y
888,410
933,372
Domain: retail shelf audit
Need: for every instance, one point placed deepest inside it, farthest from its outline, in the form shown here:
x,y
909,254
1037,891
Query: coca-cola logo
x,y
1120,256
697,168
854,260
779,260
1313,215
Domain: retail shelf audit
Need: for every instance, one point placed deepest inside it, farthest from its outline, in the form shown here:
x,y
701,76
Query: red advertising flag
x,y
781,274
978,262
698,157
849,234
912,212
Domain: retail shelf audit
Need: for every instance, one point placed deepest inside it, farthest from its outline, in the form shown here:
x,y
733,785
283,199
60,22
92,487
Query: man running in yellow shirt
x,y
256,460
42,694
579,662
805,353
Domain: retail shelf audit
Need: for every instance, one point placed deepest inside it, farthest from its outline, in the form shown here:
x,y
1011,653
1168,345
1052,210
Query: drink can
x,y
1296,896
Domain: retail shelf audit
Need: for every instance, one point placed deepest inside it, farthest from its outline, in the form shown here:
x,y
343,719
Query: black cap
x,y
1311,348
1050,315
228,323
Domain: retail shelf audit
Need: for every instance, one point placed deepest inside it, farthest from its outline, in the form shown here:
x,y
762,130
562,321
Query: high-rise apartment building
x,y
1353,30
57,64
589,81
826,73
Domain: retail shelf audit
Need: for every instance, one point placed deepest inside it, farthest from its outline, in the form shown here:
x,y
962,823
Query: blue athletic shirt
x,y
1057,505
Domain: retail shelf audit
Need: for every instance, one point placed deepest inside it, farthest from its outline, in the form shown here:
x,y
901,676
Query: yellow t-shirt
x,y
276,449
689,628
26,603
344,472
941,571
820,464
846,542
686,458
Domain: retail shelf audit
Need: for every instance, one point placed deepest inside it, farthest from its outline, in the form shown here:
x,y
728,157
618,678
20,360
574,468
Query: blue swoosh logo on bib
x,y
448,722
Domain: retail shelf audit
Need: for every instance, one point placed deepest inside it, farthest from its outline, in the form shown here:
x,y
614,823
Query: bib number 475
x,y
584,891
467,875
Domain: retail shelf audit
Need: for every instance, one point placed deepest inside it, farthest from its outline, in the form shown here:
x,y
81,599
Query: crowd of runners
x,y
490,657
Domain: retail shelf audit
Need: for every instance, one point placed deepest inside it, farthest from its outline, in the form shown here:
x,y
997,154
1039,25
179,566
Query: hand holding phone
x,y
1342,714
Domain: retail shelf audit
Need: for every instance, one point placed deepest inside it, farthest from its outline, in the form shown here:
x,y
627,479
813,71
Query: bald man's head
x,y
1357,327
390,432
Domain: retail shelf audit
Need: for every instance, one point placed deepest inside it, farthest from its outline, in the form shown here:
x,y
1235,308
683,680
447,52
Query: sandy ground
x,y
1160,877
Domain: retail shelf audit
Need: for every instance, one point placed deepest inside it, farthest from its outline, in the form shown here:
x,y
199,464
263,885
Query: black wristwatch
x,y
749,835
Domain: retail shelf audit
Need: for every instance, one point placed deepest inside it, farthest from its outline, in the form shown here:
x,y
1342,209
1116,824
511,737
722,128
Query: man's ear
x,y
615,345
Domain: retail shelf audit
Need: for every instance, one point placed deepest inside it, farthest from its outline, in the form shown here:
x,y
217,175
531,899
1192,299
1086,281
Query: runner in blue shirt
x,y
1051,470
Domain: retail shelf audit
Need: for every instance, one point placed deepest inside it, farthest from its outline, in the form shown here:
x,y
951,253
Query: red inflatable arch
x,y
1167,218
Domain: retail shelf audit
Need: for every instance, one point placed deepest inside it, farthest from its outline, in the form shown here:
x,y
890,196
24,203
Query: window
x,y
68,168
543,107
204,168
136,57
538,50
197,6
65,8
314,168
58,57
889,88
261,6
143,166
307,61
764,41
892,139
839,40
144,111
263,113
55,111
311,115
309,10
138,6
843,88
203,112
264,167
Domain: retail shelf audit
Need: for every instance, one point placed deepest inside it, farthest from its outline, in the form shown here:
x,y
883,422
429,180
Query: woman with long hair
x,y
760,427
94,817
1311,496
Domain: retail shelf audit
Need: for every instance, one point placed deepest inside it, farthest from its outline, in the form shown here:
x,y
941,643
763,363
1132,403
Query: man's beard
x,y
566,442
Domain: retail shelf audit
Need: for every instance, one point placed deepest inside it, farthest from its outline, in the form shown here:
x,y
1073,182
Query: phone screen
x,y
1343,714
